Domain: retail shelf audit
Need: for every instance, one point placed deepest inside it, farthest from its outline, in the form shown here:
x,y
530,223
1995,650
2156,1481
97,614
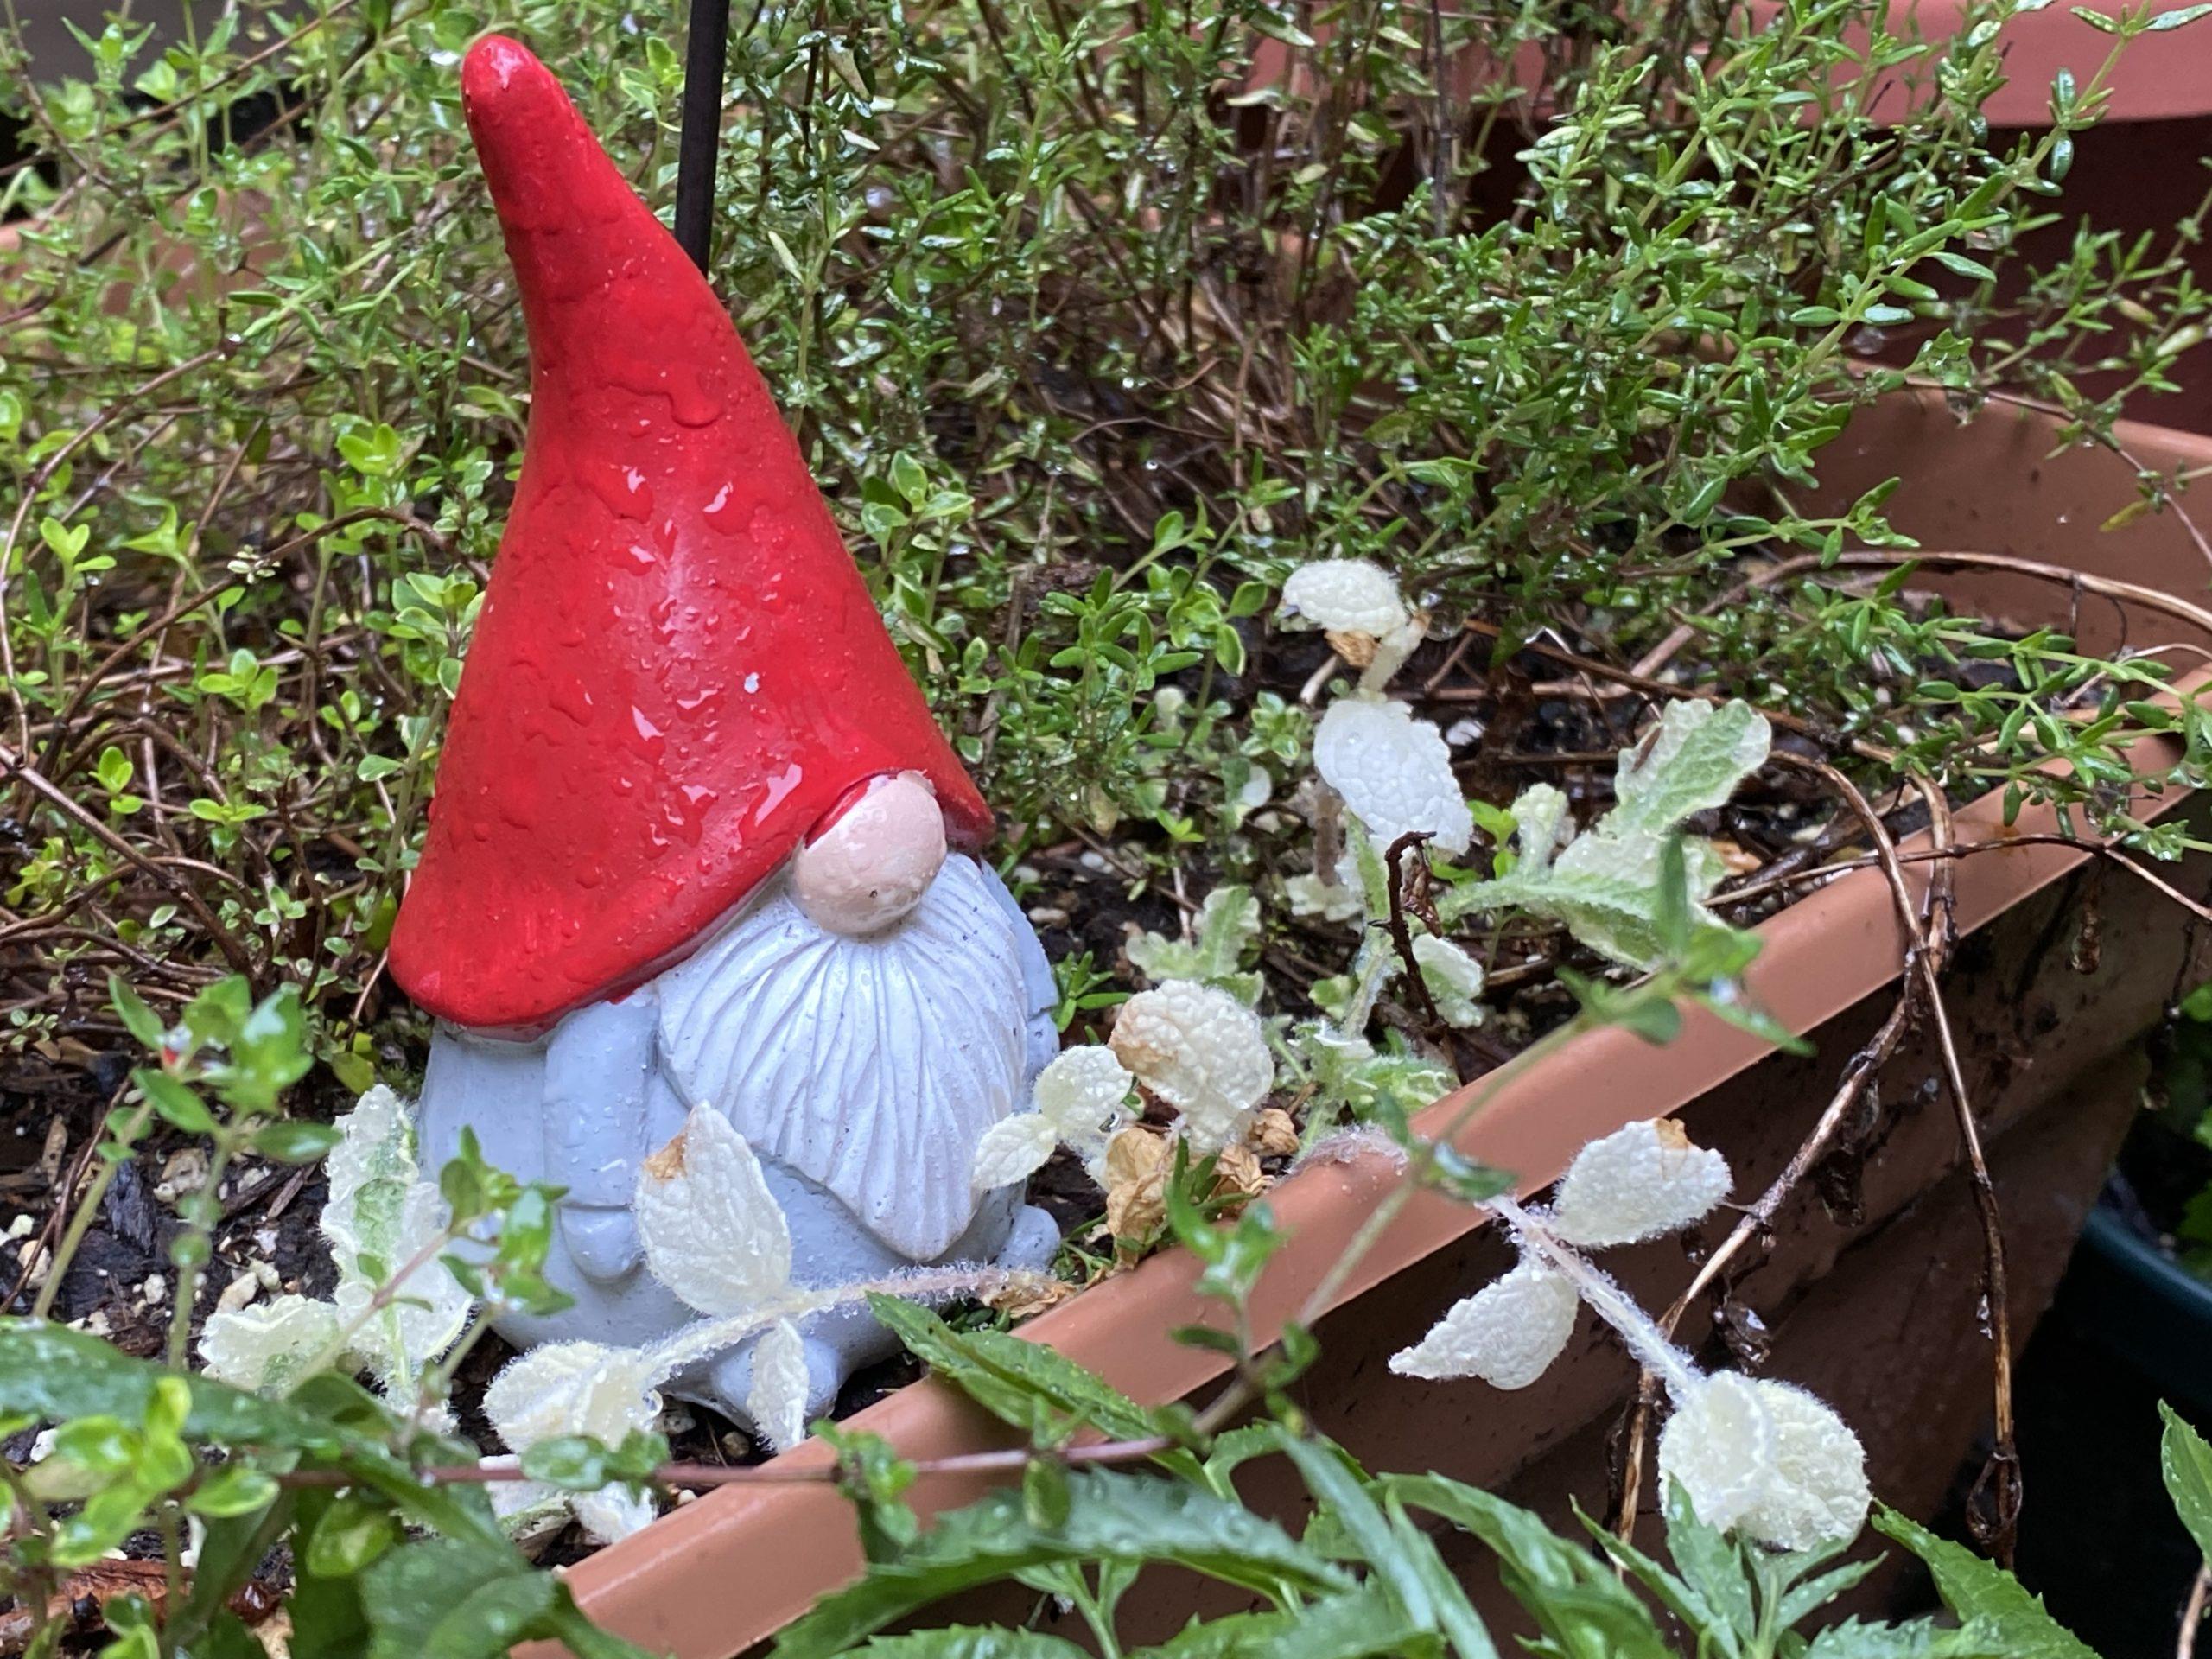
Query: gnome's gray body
x,y
862,1071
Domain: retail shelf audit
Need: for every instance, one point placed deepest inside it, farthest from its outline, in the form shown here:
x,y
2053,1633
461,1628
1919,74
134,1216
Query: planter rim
x,y
2161,80
1821,955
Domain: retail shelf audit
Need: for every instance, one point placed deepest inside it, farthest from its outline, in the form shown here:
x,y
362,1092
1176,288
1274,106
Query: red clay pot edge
x,y
730,1569
2164,79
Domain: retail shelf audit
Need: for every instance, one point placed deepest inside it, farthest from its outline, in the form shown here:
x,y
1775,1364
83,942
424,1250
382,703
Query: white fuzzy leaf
x,y
1083,1093
1637,1183
777,1399
370,1170
573,1388
523,1505
429,1309
1603,888
1202,1052
1508,1333
268,1344
1454,979
1394,772
1766,1459
1013,1149
1322,896
1539,826
713,1233
1700,754
1346,596
381,1216
576,1388
612,1513
1226,928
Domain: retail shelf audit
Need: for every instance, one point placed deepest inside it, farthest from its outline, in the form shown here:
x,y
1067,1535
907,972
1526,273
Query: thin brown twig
x,y
1761,887
1994,1504
1920,942
2192,1613
700,1476
1401,937
2082,582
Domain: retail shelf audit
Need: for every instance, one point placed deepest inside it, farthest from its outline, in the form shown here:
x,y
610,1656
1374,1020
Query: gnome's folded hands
x,y
696,837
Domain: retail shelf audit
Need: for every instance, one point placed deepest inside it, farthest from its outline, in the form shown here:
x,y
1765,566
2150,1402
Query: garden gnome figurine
x,y
696,838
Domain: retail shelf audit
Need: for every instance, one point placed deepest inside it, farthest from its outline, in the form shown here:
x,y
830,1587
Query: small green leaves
x,y
1112,1517
1223,933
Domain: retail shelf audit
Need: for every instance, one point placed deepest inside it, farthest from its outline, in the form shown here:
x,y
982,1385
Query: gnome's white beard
x,y
872,1066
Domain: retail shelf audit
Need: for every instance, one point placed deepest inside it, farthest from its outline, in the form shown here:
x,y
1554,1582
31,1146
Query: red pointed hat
x,y
678,672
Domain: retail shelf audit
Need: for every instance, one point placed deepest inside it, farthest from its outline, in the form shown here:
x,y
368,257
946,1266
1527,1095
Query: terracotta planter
x,y
2138,171
1877,1312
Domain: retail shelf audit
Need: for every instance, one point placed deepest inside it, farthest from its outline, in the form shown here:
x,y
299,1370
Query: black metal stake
x,y
706,57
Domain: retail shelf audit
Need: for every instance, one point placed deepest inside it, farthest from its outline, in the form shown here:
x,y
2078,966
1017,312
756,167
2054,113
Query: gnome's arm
x,y
597,1066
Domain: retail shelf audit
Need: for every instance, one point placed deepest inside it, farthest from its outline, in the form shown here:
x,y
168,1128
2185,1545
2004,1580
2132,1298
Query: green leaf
x,y
1027,1384
1695,760
973,1641
353,1533
1574,1599
1351,1626
574,1463
448,1599
1225,930
2185,1463
58,1374
1919,1639
1993,1603
139,1020
233,1489
1113,1516
291,1141
176,1104
1712,1564
1673,1593
1401,1559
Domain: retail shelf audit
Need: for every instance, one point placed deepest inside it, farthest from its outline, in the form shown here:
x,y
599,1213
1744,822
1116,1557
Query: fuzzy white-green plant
x,y
396,1309
1756,1456
1603,884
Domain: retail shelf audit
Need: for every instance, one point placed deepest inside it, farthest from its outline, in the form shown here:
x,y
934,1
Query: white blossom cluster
x,y
1761,1457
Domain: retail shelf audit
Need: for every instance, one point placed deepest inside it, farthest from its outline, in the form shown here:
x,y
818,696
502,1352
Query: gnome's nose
x,y
876,860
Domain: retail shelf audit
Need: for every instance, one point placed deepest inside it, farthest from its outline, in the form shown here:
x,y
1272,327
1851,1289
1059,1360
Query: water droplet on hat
x,y
691,400
570,696
622,488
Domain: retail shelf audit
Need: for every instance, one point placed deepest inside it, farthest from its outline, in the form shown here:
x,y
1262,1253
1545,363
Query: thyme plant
x,y
1095,321
1098,323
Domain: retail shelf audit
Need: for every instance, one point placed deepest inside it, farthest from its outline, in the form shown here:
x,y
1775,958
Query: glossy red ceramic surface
x,y
679,671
